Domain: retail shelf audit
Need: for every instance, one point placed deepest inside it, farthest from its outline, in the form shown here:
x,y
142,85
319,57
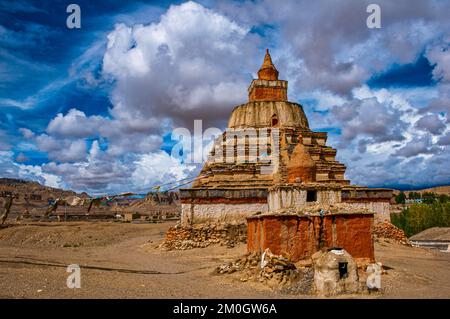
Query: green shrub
x,y
400,198
419,217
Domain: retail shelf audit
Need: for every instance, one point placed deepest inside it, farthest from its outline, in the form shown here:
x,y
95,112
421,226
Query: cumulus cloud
x,y
75,124
62,150
123,136
102,173
186,66
439,56
445,140
27,133
376,155
159,167
368,117
332,49
431,123
10,168
415,147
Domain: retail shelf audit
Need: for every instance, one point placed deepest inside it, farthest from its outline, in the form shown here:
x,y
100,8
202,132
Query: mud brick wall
x,y
268,94
374,199
302,236
264,90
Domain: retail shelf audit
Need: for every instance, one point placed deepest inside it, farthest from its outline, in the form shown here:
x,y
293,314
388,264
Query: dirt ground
x,y
119,260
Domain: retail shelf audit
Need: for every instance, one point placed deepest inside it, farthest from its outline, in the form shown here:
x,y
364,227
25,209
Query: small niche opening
x,y
274,120
343,272
311,196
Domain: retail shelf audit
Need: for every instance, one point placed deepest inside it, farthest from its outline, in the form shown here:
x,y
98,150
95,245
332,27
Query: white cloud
x,y
439,56
187,65
29,172
35,172
62,150
158,168
75,124
431,123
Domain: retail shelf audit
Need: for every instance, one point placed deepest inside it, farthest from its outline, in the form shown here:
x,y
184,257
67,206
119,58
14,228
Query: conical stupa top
x,y
268,71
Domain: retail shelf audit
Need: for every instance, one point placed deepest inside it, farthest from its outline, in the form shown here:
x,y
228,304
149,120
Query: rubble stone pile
x,y
390,231
276,271
182,237
249,261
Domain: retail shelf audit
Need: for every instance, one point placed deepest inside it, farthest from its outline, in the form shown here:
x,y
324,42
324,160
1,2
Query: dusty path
x,y
120,261
131,268
416,273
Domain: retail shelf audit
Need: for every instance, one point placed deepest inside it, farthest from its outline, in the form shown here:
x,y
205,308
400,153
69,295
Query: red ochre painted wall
x,y
299,236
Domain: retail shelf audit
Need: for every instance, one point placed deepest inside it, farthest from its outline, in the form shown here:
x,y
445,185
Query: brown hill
x,y
440,190
34,198
434,233
24,190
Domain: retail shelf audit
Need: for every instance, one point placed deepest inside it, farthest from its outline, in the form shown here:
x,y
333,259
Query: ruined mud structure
x,y
299,228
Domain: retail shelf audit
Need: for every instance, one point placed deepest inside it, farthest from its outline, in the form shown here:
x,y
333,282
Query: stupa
x,y
268,145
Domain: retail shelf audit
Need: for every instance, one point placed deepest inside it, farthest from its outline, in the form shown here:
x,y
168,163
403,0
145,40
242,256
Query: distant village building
x,y
413,201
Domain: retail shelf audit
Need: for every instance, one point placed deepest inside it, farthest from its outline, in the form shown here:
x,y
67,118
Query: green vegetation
x,y
425,197
429,198
414,195
400,198
419,217
444,198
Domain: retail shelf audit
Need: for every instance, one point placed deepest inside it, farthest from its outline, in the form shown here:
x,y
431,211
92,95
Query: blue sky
x,y
92,109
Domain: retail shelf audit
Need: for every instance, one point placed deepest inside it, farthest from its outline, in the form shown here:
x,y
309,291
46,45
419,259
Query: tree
x,y
443,198
400,198
429,197
419,217
414,195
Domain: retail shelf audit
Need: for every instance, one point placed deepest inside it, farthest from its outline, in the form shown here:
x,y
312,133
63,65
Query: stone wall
x,y
300,236
220,212
283,197
374,199
381,209
221,205
202,235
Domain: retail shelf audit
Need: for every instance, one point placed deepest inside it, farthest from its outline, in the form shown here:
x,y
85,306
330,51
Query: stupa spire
x,y
268,71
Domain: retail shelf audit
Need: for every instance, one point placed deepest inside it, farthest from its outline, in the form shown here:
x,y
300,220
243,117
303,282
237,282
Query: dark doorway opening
x,y
311,196
343,273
